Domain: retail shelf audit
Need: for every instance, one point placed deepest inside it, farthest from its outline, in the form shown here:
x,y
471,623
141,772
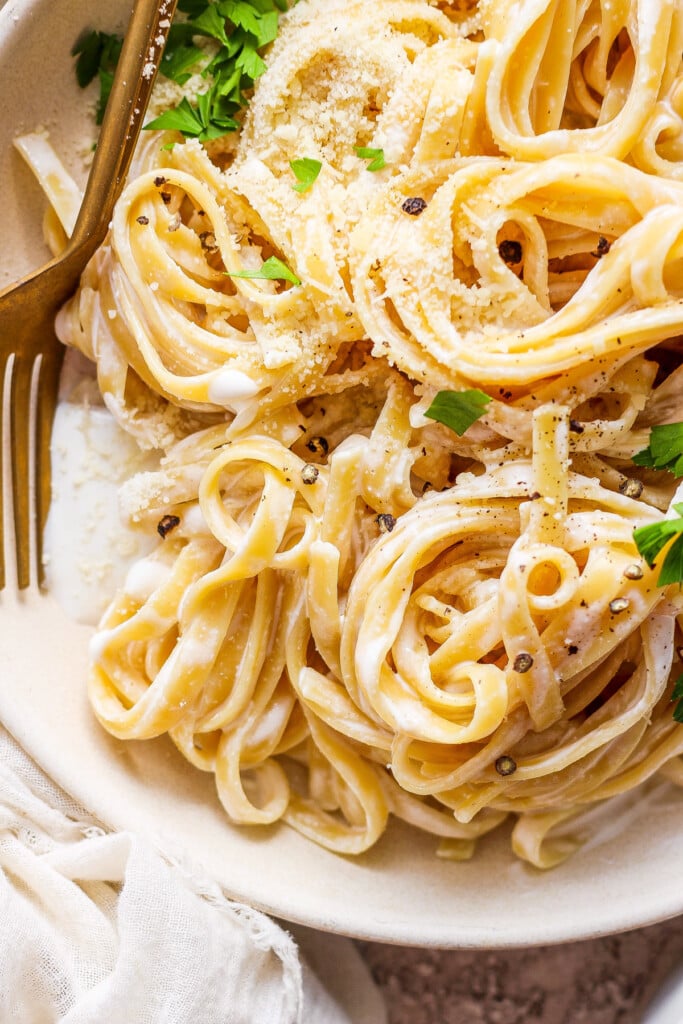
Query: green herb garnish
x,y
98,54
272,270
306,170
665,450
677,695
202,122
240,27
651,539
458,409
181,58
375,156
192,7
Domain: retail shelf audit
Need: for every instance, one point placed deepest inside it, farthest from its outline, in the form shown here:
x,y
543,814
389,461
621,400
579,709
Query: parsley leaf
x,y
272,270
306,170
651,539
249,61
106,81
677,695
88,49
672,566
268,27
458,409
180,54
211,23
244,15
665,450
241,28
183,118
192,7
95,50
98,54
208,120
375,156
240,13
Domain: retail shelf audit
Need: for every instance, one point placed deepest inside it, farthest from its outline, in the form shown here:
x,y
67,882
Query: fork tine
x,y
5,490
20,459
46,402
27,308
28,395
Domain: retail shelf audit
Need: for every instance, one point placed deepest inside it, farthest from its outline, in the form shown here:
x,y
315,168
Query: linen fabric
x,y
96,926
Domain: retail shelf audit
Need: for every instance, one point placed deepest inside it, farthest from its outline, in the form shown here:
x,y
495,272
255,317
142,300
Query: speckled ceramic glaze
x,y
399,892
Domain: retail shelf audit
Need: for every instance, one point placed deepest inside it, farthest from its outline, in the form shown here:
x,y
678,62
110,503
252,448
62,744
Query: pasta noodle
x,y
353,612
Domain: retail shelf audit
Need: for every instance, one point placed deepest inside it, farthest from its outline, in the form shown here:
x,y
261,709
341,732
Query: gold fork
x,y
30,354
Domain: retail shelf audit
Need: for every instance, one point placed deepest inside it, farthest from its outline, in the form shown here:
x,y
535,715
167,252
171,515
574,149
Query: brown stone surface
x,y
600,981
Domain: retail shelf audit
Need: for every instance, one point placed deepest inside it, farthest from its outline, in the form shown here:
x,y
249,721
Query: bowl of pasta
x,y
364,562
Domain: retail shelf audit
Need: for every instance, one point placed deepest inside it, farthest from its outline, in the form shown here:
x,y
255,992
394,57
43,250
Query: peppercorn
x,y
510,252
385,522
414,206
166,524
603,247
208,241
631,488
506,765
318,445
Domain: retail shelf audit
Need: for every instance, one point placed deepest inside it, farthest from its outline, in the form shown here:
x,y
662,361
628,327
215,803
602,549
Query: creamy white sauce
x,y
98,644
193,521
195,652
230,388
88,550
271,723
144,577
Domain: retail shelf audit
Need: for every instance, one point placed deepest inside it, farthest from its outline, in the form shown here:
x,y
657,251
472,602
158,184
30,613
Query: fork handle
x,y
145,36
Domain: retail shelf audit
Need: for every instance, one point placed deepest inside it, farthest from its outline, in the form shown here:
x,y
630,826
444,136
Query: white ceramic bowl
x,y
399,892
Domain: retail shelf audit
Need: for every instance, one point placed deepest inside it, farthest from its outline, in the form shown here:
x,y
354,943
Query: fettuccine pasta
x,y
354,612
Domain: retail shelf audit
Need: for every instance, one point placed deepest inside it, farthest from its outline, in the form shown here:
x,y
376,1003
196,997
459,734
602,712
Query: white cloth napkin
x,y
667,1005
99,926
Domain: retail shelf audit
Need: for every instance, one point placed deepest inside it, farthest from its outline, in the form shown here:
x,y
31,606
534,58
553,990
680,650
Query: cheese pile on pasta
x,y
353,612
